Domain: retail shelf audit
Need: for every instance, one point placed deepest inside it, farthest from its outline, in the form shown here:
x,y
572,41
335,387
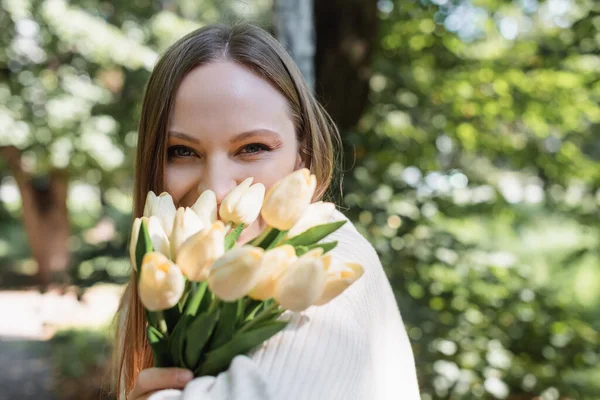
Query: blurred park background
x,y
472,146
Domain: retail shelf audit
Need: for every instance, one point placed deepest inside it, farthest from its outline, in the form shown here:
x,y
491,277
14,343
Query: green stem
x,y
256,241
277,239
260,317
215,303
162,323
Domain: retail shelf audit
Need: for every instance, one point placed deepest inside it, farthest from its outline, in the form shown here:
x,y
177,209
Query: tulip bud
x,y
234,274
187,223
272,265
163,208
161,282
206,207
287,200
159,239
340,276
302,283
197,254
316,214
243,204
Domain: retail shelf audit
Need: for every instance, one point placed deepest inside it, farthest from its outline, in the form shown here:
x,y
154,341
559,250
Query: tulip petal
x,y
206,207
199,252
159,238
187,223
234,274
161,282
135,231
340,277
242,205
249,206
272,264
302,283
287,200
150,200
315,214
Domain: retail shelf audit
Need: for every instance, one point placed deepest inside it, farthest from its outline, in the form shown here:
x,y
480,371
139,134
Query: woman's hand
x,y
152,380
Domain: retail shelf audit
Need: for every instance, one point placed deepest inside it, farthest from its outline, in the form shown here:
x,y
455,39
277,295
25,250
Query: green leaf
x,y
252,308
233,236
326,246
177,341
314,234
142,247
195,299
154,335
172,316
301,250
226,325
198,333
152,319
219,359
268,239
160,348
277,239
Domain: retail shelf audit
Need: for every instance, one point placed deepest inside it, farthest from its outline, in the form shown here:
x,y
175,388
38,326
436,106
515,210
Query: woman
x,y
222,104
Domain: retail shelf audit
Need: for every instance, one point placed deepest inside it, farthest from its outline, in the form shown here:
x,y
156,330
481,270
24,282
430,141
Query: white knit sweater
x,y
353,348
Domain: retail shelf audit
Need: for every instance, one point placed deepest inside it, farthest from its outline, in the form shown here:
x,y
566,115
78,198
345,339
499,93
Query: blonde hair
x,y
255,49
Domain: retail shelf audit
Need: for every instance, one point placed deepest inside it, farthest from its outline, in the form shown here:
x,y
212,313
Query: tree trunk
x,y
295,30
44,215
346,35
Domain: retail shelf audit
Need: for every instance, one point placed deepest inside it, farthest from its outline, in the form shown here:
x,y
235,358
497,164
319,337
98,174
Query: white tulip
x,y
243,203
303,282
163,208
287,200
161,282
272,265
187,223
234,274
316,214
206,207
159,239
340,275
197,254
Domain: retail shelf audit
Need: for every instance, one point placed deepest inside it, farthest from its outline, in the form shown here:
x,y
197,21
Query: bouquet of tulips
x,y
207,299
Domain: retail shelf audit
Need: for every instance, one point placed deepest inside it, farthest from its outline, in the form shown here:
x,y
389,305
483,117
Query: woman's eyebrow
x,y
265,133
183,136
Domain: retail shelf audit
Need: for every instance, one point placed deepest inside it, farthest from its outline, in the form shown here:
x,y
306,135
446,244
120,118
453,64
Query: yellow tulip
x,y
234,274
187,223
340,275
316,214
199,252
272,265
303,282
161,282
287,200
206,207
243,203
159,238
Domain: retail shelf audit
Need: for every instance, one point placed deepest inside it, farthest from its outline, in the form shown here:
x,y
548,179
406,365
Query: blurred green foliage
x,y
476,178
80,364
474,172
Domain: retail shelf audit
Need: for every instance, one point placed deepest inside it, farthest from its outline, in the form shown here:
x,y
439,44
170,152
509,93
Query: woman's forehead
x,y
226,98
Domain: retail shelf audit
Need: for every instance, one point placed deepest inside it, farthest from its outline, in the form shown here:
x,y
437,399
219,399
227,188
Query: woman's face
x,y
228,124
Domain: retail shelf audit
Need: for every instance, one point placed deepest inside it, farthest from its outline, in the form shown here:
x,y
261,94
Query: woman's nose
x,y
220,183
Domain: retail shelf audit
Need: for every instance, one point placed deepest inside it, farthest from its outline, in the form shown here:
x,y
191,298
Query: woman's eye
x,y
180,152
254,148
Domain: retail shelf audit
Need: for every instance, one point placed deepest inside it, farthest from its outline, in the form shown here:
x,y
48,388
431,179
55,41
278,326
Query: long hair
x,y
255,49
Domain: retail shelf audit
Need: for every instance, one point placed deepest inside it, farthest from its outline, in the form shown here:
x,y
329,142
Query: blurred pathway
x,y
28,319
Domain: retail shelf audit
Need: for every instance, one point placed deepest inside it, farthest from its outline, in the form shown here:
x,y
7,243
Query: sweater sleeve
x,y
354,347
